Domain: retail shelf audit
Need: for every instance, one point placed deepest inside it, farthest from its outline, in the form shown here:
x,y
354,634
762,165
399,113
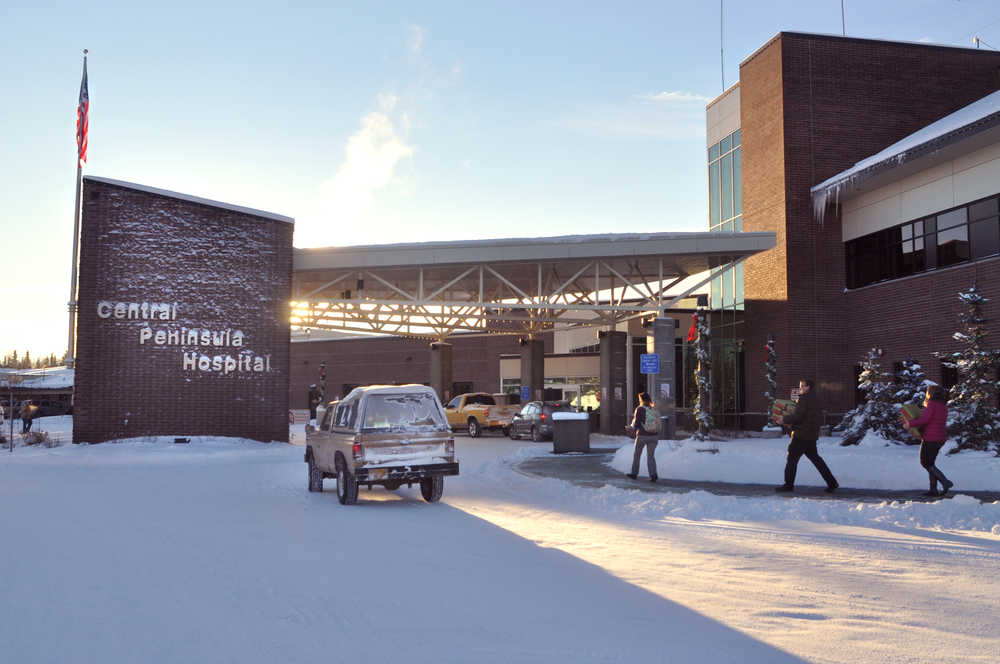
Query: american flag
x,y
83,116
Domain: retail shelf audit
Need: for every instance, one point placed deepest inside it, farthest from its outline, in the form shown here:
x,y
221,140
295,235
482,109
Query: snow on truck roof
x,y
412,388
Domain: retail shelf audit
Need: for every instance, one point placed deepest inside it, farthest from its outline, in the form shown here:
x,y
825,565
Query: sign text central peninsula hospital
x,y
237,361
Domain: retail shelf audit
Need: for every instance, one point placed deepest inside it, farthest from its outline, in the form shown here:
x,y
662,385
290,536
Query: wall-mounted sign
x,y
649,363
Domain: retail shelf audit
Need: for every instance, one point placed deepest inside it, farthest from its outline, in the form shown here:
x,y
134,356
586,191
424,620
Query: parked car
x,y
479,411
388,435
535,419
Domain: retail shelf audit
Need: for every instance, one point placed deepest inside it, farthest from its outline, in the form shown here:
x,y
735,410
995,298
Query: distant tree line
x,y
14,360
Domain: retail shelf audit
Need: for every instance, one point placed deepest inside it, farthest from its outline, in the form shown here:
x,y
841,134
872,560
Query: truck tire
x,y
347,486
315,476
475,429
431,488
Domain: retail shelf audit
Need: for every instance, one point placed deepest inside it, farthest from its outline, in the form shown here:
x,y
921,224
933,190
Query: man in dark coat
x,y
314,399
804,423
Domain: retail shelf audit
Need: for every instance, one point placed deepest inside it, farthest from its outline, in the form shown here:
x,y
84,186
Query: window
x,y
949,238
727,186
949,377
713,193
347,411
984,232
738,181
327,419
952,237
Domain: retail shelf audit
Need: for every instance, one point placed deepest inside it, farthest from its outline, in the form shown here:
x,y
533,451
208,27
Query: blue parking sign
x,y
649,363
525,394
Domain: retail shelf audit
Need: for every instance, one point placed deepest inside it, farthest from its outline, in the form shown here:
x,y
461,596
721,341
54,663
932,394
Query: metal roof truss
x,y
522,298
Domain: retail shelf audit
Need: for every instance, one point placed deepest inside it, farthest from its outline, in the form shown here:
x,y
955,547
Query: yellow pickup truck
x,y
479,411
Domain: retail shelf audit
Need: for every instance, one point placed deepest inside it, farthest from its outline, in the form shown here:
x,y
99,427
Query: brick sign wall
x,y
182,326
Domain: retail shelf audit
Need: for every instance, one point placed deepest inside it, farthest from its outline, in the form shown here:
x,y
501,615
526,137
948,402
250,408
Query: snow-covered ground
x,y
215,551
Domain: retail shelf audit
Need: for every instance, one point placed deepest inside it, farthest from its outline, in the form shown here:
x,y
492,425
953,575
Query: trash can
x,y
570,432
666,427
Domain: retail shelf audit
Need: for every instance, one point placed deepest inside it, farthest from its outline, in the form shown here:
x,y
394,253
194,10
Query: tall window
x,y
725,184
725,214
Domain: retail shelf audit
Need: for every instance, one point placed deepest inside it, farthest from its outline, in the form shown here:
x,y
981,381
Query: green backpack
x,y
652,422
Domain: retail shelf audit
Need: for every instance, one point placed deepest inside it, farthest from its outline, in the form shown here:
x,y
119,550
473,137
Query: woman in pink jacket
x,y
932,424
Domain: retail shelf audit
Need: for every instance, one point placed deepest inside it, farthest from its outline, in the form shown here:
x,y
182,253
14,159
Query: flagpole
x,y
70,344
71,341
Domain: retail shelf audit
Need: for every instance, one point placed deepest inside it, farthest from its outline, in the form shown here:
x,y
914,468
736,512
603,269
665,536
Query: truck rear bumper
x,y
405,473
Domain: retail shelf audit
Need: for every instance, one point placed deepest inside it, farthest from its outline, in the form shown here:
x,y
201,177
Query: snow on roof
x,y
54,378
192,199
394,389
977,116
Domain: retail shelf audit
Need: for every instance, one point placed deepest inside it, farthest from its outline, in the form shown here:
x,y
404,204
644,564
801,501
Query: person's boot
x,y
946,484
933,490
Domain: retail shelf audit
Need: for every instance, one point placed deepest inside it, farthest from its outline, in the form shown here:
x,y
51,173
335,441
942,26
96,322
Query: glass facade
x,y
725,214
950,237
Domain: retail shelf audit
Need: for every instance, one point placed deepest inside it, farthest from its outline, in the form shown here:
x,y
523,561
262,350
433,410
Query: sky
x,y
381,122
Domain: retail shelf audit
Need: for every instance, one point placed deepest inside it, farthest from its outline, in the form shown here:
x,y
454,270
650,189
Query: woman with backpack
x,y
646,427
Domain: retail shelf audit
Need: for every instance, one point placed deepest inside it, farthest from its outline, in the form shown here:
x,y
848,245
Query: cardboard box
x,y
782,408
912,411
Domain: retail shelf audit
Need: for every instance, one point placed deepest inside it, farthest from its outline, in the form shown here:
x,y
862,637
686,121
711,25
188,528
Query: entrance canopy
x,y
508,286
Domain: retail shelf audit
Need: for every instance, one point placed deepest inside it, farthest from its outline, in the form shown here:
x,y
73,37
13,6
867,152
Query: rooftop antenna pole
x,y
843,23
722,59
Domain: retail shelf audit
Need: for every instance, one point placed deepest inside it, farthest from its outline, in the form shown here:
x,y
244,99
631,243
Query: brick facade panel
x,y
226,272
837,101
380,360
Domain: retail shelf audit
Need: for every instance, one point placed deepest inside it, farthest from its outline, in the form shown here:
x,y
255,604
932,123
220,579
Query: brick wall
x,y
224,270
916,316
812,106
396,361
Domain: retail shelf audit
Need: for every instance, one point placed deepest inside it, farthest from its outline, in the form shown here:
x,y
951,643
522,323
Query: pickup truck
x,y
386,435
479,411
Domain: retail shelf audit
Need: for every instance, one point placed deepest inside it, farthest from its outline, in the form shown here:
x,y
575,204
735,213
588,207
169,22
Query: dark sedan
x,y
535,419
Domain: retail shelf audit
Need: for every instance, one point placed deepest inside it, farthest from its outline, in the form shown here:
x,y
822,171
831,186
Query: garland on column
x,y
771,375
703,377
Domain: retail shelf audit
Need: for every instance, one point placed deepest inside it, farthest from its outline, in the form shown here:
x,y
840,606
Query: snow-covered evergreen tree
x,y
911,383
771,375
972,414
703,378
878,413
